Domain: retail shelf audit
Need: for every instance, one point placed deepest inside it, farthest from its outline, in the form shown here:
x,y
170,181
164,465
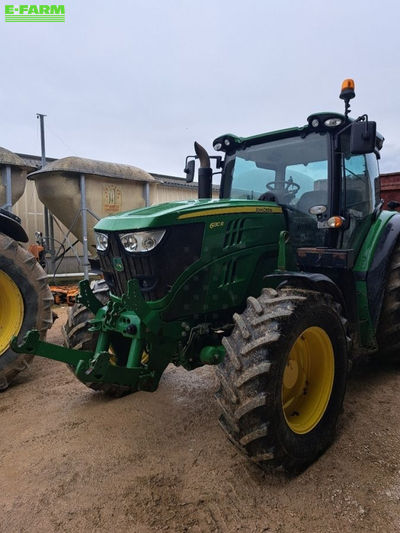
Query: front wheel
x,y
283,380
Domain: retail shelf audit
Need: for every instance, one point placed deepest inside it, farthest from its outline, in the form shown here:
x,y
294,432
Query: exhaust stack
x,y
205,172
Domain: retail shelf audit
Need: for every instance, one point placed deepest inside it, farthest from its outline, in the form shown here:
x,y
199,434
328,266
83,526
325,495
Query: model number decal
x,y
216,224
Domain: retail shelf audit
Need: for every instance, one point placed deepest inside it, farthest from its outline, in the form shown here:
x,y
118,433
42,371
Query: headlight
x,y
101,241
141,241
333,122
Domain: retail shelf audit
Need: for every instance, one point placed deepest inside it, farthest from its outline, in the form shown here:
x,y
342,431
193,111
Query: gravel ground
x,y
73,460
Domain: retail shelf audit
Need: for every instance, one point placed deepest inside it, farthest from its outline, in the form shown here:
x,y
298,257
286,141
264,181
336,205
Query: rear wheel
x,y
77,336
25,303
388,334
283,380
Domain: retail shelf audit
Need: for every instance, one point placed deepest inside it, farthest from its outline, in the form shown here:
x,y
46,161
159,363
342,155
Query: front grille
x,y
156,271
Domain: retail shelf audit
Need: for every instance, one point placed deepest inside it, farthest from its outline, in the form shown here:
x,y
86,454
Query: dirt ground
x,y
74,461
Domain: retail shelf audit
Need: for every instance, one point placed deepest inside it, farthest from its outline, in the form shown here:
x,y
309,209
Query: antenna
x,y
48,217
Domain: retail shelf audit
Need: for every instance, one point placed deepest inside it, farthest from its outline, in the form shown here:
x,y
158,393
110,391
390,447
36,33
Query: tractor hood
x,y
182,212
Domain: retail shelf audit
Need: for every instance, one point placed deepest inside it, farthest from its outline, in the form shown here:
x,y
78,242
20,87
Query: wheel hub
x,y
308,380
291,374
11,311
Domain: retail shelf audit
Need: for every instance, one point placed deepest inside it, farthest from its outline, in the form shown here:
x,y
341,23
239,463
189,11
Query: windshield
x,y
294,171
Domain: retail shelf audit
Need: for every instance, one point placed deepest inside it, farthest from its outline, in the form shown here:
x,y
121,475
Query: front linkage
x,y
134,345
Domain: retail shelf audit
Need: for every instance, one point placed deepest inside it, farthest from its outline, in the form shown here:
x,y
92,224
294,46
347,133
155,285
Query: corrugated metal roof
x,y
172,181
34,161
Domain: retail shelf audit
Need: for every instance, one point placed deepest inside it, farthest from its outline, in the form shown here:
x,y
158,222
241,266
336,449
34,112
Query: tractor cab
x,y
324,175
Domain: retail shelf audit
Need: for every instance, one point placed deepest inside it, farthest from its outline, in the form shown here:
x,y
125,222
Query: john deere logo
x,y
34,13
118,265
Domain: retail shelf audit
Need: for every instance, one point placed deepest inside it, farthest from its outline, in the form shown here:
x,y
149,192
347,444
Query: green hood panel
x,y
183,212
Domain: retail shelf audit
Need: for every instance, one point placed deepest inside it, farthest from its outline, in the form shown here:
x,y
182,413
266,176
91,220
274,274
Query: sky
x,y
138,82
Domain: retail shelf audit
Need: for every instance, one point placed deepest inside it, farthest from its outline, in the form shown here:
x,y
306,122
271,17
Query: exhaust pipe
x,y
205,172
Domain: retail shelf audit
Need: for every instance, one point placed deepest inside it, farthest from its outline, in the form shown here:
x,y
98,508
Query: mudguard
x,y
311,281
10,225
376,277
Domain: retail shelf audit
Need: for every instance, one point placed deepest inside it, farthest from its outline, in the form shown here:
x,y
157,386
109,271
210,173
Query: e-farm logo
x,y
34,13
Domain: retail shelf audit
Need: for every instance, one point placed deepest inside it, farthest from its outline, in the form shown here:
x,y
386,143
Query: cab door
x,y
358,201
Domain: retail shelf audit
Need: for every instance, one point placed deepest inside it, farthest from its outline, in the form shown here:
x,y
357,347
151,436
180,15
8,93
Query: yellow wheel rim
x,y
308,380
11,311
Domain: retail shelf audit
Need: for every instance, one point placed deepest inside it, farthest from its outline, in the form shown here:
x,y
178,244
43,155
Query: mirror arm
x,y
219,163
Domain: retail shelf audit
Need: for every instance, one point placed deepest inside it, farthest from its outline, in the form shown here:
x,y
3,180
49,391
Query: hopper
x,y
13,170
108,188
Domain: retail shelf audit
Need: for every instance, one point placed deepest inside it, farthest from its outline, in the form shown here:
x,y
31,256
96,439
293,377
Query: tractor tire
x,y
25,303
284,376
388,333
77,336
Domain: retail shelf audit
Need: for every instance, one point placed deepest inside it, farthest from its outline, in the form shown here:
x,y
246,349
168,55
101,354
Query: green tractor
x,y
281,283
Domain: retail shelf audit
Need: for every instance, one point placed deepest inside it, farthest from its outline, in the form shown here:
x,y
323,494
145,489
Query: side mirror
x,y
189,170
363,137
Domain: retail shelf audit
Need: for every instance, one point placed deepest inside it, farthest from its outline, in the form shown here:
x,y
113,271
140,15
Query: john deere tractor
x,y
281,282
